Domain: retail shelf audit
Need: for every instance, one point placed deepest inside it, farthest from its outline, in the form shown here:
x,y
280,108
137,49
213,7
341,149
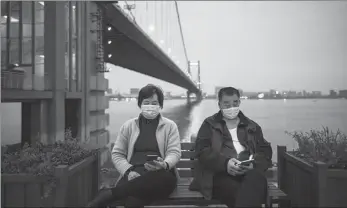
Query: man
x,y
223,140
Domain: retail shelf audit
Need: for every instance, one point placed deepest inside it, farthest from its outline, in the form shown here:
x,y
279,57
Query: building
x,y
343,93
109,91
272,92
241,92
292,94
168,95
134,92
333,94
316,94
52,68
216,90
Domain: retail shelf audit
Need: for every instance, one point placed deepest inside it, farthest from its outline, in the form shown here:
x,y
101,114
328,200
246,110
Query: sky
x,y
257,46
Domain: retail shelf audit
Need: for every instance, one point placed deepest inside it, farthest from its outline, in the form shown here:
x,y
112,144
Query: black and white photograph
x,y
134,104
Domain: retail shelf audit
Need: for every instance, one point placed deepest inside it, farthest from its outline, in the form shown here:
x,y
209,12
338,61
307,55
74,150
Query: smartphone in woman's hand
x,y
151,158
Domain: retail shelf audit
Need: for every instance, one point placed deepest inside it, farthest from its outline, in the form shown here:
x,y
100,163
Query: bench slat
x,y
273,190
182,192
185,173
184,181
185,164
183,196
187,146
188,154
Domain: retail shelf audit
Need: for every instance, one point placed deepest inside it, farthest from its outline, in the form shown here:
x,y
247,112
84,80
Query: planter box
x,y
77,185
310,185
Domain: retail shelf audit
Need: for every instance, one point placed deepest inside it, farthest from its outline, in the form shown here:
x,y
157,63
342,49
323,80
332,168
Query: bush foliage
x,y
322,145
41,159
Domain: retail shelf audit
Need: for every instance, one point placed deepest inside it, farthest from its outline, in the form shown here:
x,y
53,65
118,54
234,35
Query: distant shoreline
x,y
291,98
251,98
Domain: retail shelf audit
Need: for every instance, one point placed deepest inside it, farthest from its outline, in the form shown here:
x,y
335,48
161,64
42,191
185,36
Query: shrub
x,y
41,159
322,145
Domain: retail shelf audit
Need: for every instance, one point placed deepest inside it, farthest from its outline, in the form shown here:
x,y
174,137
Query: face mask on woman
x,y
150,111
231,113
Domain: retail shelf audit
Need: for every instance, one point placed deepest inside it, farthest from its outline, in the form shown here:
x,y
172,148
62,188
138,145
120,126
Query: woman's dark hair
x,y
228,91
148,91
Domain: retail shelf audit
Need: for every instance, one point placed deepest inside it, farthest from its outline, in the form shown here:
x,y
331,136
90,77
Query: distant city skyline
x,y
133,90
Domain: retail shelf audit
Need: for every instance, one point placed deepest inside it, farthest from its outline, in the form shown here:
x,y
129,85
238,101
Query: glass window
x,y
67,45
22,34
39,39
14,33
4,14
74,39
27,32
71,35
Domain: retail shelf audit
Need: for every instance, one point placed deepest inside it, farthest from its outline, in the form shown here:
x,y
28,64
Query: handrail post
x,y
61,173
281,166
320,184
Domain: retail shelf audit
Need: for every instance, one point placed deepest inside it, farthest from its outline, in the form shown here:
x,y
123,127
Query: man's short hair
x,y
228,91
148,91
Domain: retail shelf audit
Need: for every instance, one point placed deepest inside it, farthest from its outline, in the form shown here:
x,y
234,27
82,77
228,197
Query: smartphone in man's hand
x,y
246,162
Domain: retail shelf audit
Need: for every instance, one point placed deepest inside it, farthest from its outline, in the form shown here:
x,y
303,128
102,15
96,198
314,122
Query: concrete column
x,y
44,125
34,122
55,66
26,125
86,59
188,96
199,96
81,66
38,122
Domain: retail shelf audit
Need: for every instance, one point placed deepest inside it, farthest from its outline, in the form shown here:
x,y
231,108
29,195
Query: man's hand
x,y
156,165
234,168
247,168
132,175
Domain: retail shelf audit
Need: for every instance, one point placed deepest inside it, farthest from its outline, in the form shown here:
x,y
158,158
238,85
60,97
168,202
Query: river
x,y
274,116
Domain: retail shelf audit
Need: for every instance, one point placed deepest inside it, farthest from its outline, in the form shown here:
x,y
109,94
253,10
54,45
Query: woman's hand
x,y
132,175
156,165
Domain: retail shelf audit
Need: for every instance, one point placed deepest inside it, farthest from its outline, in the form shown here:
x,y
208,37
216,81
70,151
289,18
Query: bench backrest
x,y
186,164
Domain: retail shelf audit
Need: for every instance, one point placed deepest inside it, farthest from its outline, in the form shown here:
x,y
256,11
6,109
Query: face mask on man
x,y
231,113
150,111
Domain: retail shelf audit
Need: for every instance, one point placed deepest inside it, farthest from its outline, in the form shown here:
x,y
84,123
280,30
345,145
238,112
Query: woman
x,y
145,154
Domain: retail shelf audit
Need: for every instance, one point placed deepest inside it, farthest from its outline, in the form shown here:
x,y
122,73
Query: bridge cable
x,y
162,20
134,2
146,15
129,9
168,25
181,31
155,22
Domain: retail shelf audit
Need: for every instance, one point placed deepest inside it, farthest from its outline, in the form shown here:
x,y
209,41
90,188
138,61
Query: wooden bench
x,y
183,196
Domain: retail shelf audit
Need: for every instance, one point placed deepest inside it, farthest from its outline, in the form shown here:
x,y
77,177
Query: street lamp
x,y
151,28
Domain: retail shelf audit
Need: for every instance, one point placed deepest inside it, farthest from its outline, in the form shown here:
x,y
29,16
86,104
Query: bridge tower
x,y
198,95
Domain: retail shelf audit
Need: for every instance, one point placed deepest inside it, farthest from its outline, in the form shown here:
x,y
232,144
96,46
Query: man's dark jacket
x,y
208,146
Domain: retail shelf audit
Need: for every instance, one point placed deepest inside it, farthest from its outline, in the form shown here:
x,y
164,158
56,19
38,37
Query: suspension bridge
x,y
146,37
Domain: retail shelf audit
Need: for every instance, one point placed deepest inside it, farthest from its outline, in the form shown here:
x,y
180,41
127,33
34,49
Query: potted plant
x,y
315,174
50,175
